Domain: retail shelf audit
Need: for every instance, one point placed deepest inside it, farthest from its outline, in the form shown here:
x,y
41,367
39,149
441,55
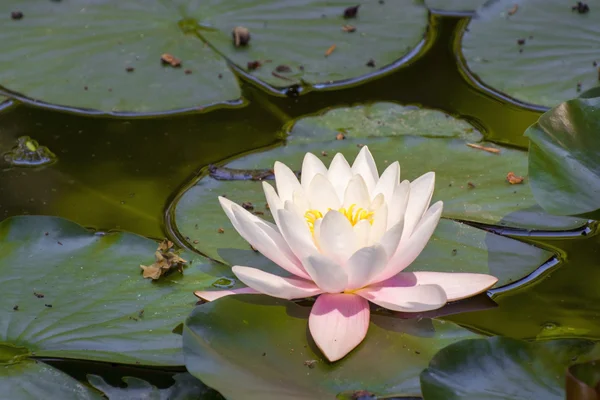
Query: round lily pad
x,y
186,387
34,380
454,5
261,344
71,293
155,56
540,52
563,158
503,369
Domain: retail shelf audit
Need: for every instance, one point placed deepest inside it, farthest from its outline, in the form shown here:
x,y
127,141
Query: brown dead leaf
x,y
171,60
340,136
514,179
330,50
166,259
348,28
513,10
488,149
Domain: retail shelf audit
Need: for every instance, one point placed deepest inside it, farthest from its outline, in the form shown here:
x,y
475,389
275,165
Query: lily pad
x,y
540,52
454,5
186,387
500,368
71,293
106,55
563,158
422,140
262,345
33,380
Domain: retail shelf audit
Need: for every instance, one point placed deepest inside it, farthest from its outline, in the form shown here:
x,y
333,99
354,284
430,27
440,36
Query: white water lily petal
x,y
457,286
296,233
327,274
357,193
388,181
300,200
274,285
399,202
285,181
380,224
365,264
365,166
362,230
391,239
337,238
421,191
409,249
311,166
265,238
339,174
273,200
321,195
377,202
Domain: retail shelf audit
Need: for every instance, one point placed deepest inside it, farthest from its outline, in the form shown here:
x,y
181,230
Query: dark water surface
x,y
122,173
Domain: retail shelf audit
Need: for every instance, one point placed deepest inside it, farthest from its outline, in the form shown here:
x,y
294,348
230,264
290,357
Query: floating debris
x,y
330,50
16,15
232,174
370,63
581,7
252,65
520,42
488,149
283,68
340,136
348,28
167,260
351,12
241,36
28,153
169,59
310,363
129,69
514,179
220,230
514,9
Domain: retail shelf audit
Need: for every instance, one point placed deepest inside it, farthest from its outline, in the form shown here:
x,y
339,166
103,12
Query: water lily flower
x,y
346,234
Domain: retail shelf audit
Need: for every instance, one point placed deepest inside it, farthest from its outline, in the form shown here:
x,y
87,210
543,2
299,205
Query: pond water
x,y
122,173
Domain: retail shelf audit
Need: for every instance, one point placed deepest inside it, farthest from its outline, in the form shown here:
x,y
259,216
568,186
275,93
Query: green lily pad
x,y
262,345
563,158
186,387
71,293
502,368
454,5
107,55
540,52
33,380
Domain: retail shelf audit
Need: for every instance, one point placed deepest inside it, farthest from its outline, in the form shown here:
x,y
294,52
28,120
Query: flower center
x,y
353,214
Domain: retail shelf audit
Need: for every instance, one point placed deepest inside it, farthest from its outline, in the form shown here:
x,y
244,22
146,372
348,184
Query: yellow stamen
x,y
353,214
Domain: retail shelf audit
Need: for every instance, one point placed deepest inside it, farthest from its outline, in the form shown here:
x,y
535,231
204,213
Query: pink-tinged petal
x,y
380,224
388,181
364,265
296,233
339,174
327,275
409,249
405,298
364,165
212,295
456,285
265,238
421,190
398,203
277,286
337,239
311,166
286,181
273,200
357,193
338,323
322,195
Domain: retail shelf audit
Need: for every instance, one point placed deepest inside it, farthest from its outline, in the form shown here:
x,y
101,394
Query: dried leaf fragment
x,y
514,9
241,36
330,50
169,59
488,149
340,136
349,28
351,12
166,260
514,179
